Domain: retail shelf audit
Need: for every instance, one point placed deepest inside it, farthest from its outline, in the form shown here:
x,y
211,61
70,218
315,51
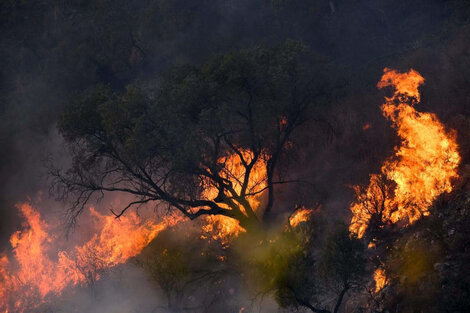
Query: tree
x,y
170,144
184,273
340,269
372,210
343,263
301,274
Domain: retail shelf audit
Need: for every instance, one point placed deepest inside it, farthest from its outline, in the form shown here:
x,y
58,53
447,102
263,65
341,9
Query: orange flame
x,y
222,227
122,239
380,279
34,275
37,271
405,84
422,167
300,216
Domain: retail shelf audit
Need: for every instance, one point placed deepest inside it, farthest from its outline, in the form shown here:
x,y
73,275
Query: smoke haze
x,y
52,50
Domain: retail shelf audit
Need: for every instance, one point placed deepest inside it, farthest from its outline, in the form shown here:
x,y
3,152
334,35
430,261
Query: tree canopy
x,y
167,144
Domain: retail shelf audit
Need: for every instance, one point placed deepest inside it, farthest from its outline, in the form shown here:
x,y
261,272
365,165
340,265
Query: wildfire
x,y
222,227
421,169
38,271
380,279
299,216
35,275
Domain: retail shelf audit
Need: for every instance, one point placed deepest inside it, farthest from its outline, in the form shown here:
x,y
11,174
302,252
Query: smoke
x,y
128,289
53,50
125,289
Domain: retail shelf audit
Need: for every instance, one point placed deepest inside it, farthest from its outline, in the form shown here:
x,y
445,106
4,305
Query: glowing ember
x,y
422,167
222,227
299,216
371,245
282,123
380,279
34,275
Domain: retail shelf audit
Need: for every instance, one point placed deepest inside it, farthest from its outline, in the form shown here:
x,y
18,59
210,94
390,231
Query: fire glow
x,y
300,216
380,279
222,227
421,169
34,276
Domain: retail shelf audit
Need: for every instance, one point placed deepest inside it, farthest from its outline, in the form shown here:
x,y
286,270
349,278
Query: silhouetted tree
x,y
301,271
167,144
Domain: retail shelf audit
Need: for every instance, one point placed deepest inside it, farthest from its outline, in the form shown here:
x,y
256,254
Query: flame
x,y
405,84
300,216
423,165
380,279
122,239
37,271
34,275
222,227
283,123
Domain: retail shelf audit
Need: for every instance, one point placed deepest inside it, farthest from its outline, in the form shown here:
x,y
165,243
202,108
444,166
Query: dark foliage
x,y
150,95
165,144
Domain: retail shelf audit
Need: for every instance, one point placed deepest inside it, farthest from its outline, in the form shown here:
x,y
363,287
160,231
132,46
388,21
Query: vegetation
x,y
153,98
166,144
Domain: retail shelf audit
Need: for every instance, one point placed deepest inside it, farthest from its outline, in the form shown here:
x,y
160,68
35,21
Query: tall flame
x,y
380,279
222,227
423,165
35,275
